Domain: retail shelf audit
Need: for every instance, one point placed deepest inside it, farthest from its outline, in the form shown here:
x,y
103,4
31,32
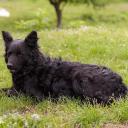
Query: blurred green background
x,y
26,15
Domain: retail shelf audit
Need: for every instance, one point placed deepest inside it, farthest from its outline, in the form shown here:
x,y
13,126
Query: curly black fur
x,y
39,76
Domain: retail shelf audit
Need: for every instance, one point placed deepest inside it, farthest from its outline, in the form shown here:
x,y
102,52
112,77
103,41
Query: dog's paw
x,y
11,92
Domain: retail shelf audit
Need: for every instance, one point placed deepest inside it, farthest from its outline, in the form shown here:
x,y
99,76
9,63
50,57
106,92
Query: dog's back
x,y
82,80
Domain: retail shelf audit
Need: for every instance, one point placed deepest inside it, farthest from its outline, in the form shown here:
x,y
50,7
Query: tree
x,y
57,4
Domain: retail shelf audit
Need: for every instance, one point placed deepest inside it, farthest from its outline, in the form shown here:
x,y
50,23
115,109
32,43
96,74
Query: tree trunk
x,y
59,15
56,4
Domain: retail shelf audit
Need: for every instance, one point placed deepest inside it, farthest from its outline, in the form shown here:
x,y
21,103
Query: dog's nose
x,y
10,66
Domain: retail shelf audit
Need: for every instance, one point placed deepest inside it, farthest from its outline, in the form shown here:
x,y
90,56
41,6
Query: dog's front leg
x,y
9,91
34,92
37,94
12,92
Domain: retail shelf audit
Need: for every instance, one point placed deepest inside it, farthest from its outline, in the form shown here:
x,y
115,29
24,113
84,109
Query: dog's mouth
x,y
12,70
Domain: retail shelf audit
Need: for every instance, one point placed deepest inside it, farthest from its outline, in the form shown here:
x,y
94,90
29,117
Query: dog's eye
x,y
9,53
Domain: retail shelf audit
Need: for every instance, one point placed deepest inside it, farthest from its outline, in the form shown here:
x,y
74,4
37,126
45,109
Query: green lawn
x,y
90,36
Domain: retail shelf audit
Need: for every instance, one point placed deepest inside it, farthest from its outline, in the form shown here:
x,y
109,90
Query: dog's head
x,y
17,52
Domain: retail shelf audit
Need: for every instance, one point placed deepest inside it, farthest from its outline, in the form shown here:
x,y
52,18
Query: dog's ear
x,y
7,38
31,39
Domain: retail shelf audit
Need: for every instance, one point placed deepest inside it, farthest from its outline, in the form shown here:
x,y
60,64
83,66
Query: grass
x,y
89,36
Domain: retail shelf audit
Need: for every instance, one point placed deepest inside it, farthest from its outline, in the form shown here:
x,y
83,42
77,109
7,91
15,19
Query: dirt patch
x,y
115,126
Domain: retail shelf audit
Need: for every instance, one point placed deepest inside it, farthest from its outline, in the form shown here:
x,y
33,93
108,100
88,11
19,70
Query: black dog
x,y
39,76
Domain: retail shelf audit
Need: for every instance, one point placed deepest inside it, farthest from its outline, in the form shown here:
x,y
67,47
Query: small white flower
x,y
15,115
35,117
26,124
